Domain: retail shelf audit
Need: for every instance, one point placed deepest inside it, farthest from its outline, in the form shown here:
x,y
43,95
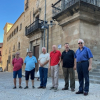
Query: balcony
x,y
67,8
35,26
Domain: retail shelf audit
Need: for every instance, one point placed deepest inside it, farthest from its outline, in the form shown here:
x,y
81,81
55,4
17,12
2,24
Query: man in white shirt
x,y
43,67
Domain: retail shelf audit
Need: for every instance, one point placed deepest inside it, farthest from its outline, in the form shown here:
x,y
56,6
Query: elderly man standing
x,y
30,62
54,62
43,68
83,58
17,63
68,64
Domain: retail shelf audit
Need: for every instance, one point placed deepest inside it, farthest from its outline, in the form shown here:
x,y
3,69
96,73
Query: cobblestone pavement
x,y
7,93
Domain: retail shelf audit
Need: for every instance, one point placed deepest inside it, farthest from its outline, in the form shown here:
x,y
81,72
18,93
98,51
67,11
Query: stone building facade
x,y
72,19
14,41
1,49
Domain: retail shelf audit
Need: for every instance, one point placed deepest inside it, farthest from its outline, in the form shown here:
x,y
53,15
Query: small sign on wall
x,y
27,50
59,46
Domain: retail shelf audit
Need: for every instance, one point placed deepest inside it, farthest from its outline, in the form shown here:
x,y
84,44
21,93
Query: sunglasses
x,y
80,43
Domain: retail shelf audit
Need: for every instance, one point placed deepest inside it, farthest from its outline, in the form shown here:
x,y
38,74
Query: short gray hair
x,y
54,46
17,53
43,48
80,40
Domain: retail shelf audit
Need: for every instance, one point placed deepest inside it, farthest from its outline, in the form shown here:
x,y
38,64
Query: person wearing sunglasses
x,y
17,63
83,61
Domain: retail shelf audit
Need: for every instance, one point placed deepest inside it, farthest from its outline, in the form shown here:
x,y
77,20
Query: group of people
x,y
81,61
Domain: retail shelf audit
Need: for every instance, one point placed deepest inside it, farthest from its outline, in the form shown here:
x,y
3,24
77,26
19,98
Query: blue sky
x,y
10,10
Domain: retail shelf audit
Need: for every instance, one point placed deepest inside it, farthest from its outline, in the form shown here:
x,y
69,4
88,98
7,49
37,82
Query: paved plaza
x,y
7,93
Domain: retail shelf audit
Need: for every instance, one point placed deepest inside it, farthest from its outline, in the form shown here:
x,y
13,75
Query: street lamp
x,y
44,26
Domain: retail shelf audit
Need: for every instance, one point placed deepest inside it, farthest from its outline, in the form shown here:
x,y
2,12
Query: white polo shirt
x,y
43,58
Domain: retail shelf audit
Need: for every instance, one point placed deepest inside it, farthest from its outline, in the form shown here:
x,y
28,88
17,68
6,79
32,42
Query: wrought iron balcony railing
x,y
61,5
33,27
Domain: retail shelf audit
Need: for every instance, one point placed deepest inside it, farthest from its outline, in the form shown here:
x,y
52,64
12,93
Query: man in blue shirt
x,y
83,61
30,62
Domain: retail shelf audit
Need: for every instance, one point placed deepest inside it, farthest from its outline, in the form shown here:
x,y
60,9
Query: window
x,y
14,31
17,29
37,17
20,26
0,53
0,60
13,56
19,46
12,34
9,59
9,50
14,48
26,5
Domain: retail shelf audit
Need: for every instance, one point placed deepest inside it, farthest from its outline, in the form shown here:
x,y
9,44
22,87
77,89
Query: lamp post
x,y
46,26
44,22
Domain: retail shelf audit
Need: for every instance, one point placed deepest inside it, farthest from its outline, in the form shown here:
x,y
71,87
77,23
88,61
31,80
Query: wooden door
x,y
7,65
36,54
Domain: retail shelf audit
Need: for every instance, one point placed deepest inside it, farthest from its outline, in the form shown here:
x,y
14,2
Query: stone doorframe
x,y
35,43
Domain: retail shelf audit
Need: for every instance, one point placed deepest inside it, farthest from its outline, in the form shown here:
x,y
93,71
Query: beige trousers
x,y
54,75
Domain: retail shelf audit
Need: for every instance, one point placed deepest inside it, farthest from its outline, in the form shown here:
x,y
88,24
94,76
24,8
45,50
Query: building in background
x,y
14,41
72,19
1,49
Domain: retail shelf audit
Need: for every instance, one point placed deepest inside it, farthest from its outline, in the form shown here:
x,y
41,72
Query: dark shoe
x,y
55,89
40,87
51,88
85,93
64,88
44,87
33,87
79,92
26,87
14,87
72,89
20,87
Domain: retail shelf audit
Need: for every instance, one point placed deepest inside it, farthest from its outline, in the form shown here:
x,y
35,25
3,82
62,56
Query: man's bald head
x,y
54,47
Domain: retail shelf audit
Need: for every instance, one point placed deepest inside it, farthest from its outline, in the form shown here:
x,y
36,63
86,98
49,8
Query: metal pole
x,y
45,11
62,5
30,17
44,22
47,38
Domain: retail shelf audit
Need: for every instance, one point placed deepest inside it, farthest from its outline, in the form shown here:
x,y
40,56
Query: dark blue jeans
x,y
43,76
83,73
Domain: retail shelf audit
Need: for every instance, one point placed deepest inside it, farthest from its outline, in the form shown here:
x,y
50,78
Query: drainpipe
x,y
44,22
48,39
62,5
30,17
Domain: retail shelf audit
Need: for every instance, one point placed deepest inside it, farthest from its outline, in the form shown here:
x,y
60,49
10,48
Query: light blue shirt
x,y
83,55
30,63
